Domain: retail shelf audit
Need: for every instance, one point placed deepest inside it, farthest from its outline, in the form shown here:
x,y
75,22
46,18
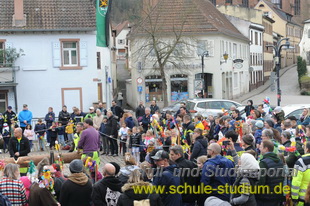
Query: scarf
x,y
78,178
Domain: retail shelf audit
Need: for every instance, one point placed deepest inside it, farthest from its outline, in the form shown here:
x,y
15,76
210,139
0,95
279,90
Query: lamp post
x,y
278,48
205,53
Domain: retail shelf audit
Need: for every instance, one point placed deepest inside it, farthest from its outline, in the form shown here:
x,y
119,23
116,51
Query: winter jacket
x,y
111,127
61,130
29,134
118,112
258,136
135,140
128,197
245,198
129,122
8,116
41,196
79,117
154,108
304,121
76,191
189,179
102,129
97,121
109,188
188,129
248,110
125,172
167,179
166,143
146,121
140,111
40,129
301,180
63,117
270,160
200,148
49,119
208,177
280,117
21,146
25,115
199,125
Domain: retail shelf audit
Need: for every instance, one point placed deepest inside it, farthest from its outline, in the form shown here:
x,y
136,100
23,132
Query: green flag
x,y
102,22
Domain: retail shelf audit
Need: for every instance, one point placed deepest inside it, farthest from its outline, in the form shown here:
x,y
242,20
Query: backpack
x,y
4,200
111,197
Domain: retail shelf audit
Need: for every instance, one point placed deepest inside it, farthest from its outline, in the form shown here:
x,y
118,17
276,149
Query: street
x,y
290,91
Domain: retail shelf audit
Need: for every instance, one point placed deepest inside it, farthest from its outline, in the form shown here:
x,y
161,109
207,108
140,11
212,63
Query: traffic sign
x,y
198,84
139,80
140,88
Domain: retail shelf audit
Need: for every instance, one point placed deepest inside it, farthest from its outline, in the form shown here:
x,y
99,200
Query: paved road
x,y
290,91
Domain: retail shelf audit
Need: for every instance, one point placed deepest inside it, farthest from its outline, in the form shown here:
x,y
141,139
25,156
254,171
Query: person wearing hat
x,y
24,117
166,178
8,115
269,124
91,113
279,115
247,142
78,188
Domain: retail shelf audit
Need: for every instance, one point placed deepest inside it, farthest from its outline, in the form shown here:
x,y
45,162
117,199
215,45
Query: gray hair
x,y
287,123
147,108
10,171
177,149
286,134
268,133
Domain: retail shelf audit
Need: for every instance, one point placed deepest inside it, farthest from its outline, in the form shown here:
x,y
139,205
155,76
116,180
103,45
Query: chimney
x,y
19,18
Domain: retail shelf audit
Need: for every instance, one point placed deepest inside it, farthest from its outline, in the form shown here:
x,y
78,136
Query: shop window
x,y
153,88
179,89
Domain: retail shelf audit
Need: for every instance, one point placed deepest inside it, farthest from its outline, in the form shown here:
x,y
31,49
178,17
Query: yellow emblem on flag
x,y
103,3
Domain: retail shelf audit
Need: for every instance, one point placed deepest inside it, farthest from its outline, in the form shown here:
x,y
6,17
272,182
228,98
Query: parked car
x,y
173,108
207,107
294,110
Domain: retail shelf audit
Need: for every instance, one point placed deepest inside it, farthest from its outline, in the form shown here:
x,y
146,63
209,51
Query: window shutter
x,y
56,54
8,45
83,54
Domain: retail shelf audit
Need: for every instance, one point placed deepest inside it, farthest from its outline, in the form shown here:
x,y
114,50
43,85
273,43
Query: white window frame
x,y
70,65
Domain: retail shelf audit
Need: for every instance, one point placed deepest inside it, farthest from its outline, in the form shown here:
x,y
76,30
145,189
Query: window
x,y
309,33
121,41
70,53
98,61
213,2
234,51
251,37
245,3
256,39
228,1
2,43
278,3
297,7
260,39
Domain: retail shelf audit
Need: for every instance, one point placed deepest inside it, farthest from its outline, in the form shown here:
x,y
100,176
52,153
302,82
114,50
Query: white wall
x,y
39,83
305,42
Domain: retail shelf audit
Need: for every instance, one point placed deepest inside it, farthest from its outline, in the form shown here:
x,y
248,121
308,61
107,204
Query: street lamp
x,y
205,53
277,48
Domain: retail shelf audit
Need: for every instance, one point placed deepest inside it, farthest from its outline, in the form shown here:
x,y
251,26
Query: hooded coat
x,y
200,147
129,196
125,172
105,187
76,191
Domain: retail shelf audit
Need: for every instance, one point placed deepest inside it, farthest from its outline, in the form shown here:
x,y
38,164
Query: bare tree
x,y
160,39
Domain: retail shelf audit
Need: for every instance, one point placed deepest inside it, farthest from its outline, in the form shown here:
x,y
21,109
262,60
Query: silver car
x,y
207,107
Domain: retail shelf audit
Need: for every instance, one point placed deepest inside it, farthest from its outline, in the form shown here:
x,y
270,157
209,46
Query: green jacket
x,y
301,180
271,155
90,116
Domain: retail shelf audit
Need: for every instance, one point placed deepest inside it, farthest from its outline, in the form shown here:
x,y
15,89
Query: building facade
x,y
222,78
305,42
59,66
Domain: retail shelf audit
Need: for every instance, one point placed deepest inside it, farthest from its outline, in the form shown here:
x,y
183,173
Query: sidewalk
x,y
242,99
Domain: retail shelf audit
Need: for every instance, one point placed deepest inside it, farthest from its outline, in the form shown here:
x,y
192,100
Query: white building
x,y
205,28
59,66
305,42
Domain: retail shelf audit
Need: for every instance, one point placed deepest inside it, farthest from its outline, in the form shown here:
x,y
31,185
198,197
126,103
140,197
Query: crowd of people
x,y
214,156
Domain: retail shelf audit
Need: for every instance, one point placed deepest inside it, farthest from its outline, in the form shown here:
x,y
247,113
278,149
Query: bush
x,y
301,69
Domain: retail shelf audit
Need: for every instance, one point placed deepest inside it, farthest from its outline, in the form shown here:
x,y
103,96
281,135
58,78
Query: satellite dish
x,y
251,69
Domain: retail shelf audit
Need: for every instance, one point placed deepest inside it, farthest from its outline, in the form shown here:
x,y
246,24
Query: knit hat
x,y
160,155
247,139
259,124
117,167
270,123
76,166
248,162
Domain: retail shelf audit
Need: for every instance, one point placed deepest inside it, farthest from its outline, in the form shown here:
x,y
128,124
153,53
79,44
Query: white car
x,y
294,110
207,107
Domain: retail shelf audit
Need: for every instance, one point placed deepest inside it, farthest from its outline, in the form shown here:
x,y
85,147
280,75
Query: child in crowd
x,y
123,134
53,133
201,160
40,129
14,125
134,143
6,137
29,133
61,134
174,137
69,131
129,132
166,140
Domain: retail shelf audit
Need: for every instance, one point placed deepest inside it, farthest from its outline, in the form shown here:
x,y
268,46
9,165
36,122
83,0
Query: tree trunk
x,y
164,86
24,161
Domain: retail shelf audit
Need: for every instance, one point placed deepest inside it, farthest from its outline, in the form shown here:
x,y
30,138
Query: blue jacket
x,y
258,136
25,115
167,179
129,122
305,122
216,177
